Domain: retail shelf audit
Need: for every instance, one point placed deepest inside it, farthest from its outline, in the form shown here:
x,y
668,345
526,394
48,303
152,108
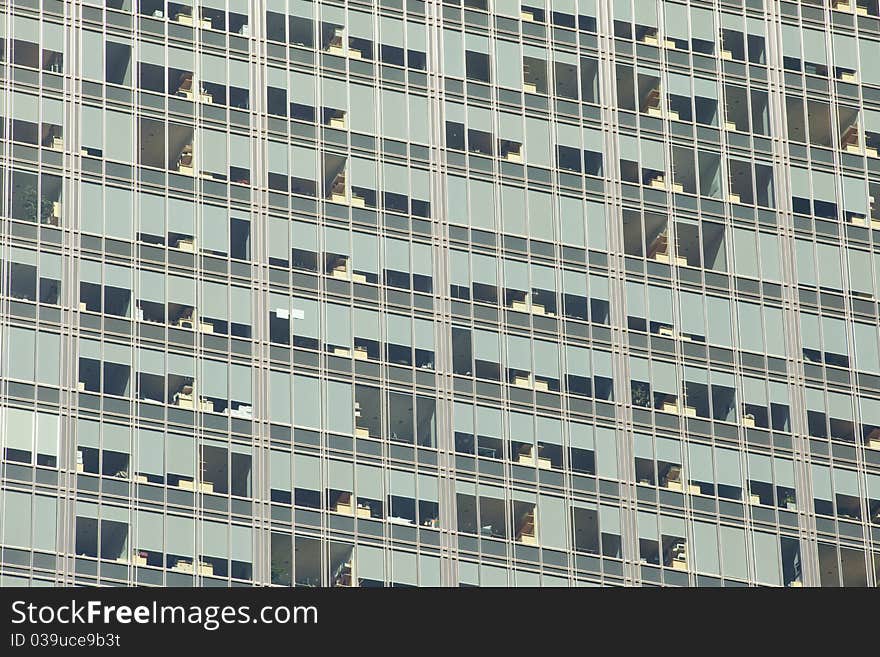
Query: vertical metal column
x,y
791,302
617,295
442,301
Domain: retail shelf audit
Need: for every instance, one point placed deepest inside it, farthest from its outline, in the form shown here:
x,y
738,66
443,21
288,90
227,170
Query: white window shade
x,y
278,239
302,89
676,21
181,216
180,535
581,436
340,475
307,472
549,430
706,547
484,269
800,182
577,361
213,382
635,299
370,563
551,522
334,93
866,351
653,156
660,304
336,240
369,482
239,73
215,228
507,67
241,543
702,24
391,31
783,469
459,268
366,324
479,119
277,162
678,85
422,259
152,287
396,255
791,41
645,12
834,333
179,58
150,452
839,406
365,252
424,334
151,362
700,463
718,312
399,330
214,301
727,467
814,46
691,306
92,126
362,172
215,541
821,479
48,430
339,396
519,353
338,325
279,470
873,486
240,151
824,186
639,369
537,142
485,346
868,53
516,275
152,214
17,515
19,429
149,530
428,487
240,383
306,316
180,455
506,7
214,69
704,88
303,163
598,287
855,196
760,468
393,113
846,53
547,359
668,450
647,526
26,107
609,519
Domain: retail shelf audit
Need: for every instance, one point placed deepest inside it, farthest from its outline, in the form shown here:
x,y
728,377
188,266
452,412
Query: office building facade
x,y
440,293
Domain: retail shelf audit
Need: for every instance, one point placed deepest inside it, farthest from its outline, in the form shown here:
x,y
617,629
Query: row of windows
x,y
108,210
665,543
646,31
